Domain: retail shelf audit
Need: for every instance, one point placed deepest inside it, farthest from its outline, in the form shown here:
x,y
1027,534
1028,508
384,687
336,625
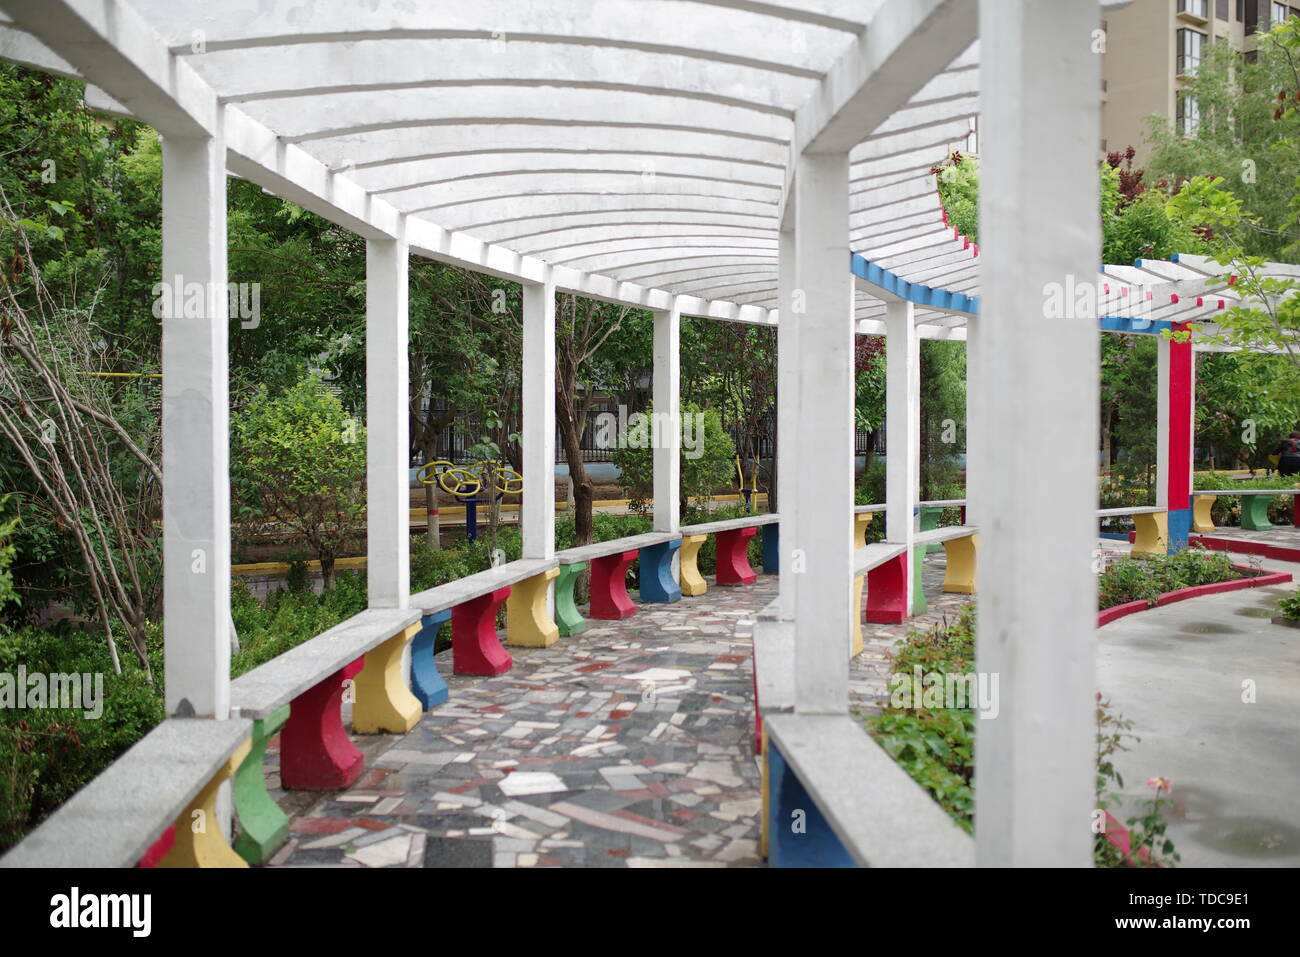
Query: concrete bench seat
x,y
731,524
1254,507
861,509
875,555
1151,523
301,692
816,765
471,604
945,503
1130,510
144,801
773,671
262,691
588,553
944,534
447,596
609,562
731,566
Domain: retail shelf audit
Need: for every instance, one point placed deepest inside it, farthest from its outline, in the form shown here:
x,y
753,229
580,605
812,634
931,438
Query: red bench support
x,y
733,557
887,591
609,598
475,647
316,753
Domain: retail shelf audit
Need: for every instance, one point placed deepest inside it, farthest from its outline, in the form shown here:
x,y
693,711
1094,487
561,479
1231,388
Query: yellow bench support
x,y
528,620
199,839
860,522
689,577
1201,520
384,702
1152,533
961,554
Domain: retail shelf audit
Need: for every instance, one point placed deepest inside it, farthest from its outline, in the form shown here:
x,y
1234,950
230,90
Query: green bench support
x,y
567,617
263,826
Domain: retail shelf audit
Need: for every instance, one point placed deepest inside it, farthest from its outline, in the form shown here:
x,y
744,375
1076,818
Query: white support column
x,y
787,421
1039,230
903,425
822,305
195,430
667,411
538,511
388,456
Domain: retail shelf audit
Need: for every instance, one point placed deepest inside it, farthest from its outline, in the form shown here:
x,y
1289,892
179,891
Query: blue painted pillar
x,y
772,548
657,581
426,683
798,834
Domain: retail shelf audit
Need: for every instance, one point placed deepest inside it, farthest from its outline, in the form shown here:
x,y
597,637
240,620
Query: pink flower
x,y
1160,784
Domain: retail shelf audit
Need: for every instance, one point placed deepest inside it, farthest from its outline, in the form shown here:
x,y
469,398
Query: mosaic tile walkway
x,y
629,745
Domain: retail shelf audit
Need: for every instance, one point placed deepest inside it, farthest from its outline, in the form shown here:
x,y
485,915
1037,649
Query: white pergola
x,y
756,161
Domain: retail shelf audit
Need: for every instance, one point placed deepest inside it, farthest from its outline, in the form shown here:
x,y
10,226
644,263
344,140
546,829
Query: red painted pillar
x,y
475,647
887,591
316,753
1295,510
733,557
609,598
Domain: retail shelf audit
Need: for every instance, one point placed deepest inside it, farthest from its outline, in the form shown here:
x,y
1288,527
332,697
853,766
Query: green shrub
x,y
1289,607
1147,578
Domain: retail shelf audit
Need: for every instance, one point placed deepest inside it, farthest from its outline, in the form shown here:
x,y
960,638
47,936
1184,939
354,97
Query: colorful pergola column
x,y
902,458
1175,429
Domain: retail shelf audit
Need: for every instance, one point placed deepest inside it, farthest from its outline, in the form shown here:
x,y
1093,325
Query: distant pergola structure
x,y
753,161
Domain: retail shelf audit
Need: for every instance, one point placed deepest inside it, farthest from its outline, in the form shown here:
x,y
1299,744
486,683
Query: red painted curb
x,y
1182,594
1279,552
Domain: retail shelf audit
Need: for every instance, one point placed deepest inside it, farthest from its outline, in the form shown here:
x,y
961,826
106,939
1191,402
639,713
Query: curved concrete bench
x,y
813,767
1254,507
1152,527
144,807
609,562
732,564
472,604
302,692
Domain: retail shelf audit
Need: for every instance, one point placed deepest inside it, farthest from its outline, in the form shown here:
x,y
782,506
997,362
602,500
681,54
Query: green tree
x,y
301,458
706,458
1247,134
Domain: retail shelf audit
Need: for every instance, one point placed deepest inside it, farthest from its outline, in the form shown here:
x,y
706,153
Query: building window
x,y
1197,8
1189,50
1241,10
1277,13
1188,115
1221,9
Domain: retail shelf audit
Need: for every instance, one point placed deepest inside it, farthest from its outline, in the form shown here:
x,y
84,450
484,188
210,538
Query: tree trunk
x,y
327,571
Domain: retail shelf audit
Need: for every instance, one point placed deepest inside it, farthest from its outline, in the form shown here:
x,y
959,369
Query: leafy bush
x,y
701,475
300,461
1289,607
1146,579
935,745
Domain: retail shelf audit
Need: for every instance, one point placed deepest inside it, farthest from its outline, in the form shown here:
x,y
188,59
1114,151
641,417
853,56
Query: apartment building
x,y
1153,45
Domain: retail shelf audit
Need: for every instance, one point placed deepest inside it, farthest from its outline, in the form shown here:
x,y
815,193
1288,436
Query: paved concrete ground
x,y
1180,674
629,745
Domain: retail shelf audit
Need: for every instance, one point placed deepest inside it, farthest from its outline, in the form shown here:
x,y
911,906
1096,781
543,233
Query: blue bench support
x,y
658,583
798,834
426,683
772,548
